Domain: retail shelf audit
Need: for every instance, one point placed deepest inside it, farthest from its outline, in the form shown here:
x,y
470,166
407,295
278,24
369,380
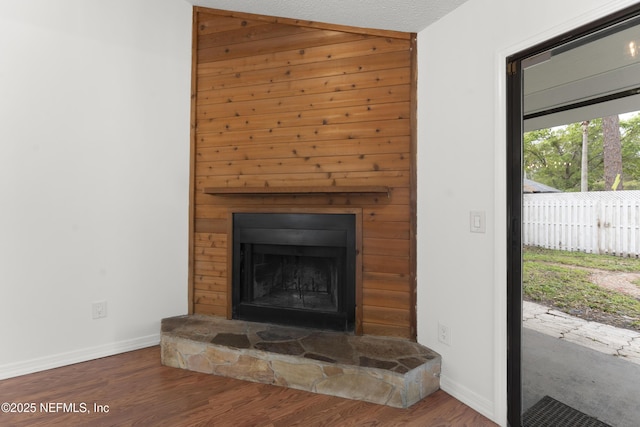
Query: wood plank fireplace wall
x,y
281,106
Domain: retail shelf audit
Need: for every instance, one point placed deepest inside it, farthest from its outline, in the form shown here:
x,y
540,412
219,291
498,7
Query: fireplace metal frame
x,y
302,235
357,247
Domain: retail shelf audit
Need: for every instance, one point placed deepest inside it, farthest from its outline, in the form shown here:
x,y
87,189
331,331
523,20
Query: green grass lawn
x,y
581,259
559,279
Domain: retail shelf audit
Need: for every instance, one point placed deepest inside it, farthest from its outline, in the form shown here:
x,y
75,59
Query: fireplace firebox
x,y
294,269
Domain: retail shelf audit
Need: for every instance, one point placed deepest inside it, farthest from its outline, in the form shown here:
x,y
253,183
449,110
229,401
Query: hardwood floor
x,y
135,389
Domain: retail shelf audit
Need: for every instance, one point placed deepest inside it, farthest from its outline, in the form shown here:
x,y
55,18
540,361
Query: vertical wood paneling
x,y
413,194
192,162
283,103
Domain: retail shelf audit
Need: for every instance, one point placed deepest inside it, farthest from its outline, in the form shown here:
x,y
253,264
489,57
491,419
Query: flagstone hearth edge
x,y
388,371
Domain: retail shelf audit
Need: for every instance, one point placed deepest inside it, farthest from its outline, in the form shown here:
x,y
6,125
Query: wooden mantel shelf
x,y
297,191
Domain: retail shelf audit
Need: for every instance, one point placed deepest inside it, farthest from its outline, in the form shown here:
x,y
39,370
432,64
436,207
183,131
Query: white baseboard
x,y
468,397
82,355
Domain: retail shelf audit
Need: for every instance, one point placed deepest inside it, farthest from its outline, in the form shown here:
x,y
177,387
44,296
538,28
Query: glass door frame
x,y
514,199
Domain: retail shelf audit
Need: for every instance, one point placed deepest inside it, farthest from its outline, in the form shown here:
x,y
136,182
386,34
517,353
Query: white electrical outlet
x,y
99,309
444,335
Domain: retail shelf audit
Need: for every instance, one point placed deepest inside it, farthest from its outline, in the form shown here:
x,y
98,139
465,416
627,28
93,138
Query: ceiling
x,y
594,67
403,15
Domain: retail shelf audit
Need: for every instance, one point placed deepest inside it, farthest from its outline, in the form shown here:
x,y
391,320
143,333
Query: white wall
x,y
462,166
94,161
94,113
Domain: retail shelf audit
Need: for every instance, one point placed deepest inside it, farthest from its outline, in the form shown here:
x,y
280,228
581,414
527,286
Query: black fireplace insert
x,y
294,269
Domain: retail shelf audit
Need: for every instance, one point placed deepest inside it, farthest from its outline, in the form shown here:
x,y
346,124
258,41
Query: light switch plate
x,y
477,221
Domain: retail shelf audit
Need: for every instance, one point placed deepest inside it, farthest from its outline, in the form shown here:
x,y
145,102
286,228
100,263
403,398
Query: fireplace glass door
x,y
295,269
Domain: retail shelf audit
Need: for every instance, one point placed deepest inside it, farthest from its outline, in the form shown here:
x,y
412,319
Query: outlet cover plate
x,y
99,309
444,334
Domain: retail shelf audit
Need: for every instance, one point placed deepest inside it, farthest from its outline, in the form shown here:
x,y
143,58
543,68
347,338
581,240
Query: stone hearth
x,y
388,371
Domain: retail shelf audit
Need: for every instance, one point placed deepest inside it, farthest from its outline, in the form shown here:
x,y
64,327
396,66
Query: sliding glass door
x,y
574,227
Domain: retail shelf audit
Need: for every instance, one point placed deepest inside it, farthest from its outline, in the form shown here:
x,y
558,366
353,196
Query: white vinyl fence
x,y
600,222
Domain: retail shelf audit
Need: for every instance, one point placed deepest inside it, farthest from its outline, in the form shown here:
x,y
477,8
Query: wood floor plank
x,y
138,390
